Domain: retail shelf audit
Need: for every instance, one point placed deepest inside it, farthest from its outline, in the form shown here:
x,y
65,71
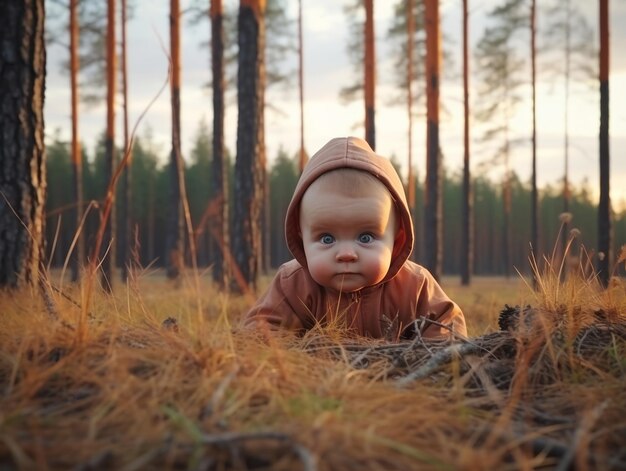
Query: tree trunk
x,y
566,190
410,31
506,197
220,168
22,150
506,223
78,258
150,226
432,208
248,165
174,258
534,203
370,75
265,191
467,239
108,247
265,214
303,156
127,196
604,207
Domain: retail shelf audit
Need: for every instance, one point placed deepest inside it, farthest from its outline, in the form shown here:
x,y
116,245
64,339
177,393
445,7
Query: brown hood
x,y
352,152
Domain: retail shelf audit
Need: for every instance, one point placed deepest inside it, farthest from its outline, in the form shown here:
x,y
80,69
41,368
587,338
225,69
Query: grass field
x,y
159,376
485,297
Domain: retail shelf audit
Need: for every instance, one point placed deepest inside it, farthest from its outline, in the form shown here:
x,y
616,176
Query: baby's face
x,y
348,240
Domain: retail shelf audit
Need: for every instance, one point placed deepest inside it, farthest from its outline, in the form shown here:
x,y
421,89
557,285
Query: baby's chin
x,y
347,289
347,286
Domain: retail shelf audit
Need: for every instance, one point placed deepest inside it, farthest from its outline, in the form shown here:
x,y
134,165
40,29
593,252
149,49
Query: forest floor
x,y
158,376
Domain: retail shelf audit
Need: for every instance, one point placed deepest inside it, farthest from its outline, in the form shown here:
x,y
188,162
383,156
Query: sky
x,y
327,69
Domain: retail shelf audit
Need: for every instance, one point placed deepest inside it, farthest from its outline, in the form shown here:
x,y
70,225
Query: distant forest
x,y
128,205
150,179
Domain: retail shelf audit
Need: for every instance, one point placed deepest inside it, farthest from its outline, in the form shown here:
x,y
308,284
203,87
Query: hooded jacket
x,y
396,307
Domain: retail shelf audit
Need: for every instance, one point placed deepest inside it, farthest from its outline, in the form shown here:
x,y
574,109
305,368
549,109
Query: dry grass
x,y
483,300
132,390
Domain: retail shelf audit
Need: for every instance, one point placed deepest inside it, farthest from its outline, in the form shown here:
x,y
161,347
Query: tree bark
x,y
467,235
220,168
303,155
78,258
22,150
604,207
248,165
410,33
433,207
566,189
108,246
127,185
506,221
174,258
534,203
370,75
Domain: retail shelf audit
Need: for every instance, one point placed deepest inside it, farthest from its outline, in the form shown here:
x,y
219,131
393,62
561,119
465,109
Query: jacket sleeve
x,y
276,308
433,303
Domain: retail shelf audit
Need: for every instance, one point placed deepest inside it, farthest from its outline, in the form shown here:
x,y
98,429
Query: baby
x,y
350,231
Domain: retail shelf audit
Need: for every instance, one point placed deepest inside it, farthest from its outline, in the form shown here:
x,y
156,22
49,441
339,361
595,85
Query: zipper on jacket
x,y
355,304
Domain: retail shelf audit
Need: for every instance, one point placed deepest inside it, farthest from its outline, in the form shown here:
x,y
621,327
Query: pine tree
x,y
249,164
433,234
22,151
604,206
219,164
499,66
534,213
467,229
174,255
570,52
107,255
127,180
78,259
361,50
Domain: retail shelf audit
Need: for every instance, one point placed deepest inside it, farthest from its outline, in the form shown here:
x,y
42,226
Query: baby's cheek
x,y
377,268
317,269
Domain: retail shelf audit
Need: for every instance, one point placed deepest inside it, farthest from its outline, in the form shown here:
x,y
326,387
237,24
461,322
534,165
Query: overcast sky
x,y
327,70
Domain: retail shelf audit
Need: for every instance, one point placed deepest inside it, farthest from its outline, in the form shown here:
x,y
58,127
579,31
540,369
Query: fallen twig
x,y
439,360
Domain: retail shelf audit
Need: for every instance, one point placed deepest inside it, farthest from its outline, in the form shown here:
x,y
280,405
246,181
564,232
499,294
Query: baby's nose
x,y
346,253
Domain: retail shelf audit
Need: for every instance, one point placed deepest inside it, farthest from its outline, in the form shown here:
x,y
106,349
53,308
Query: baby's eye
x,y
366,238
327,239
